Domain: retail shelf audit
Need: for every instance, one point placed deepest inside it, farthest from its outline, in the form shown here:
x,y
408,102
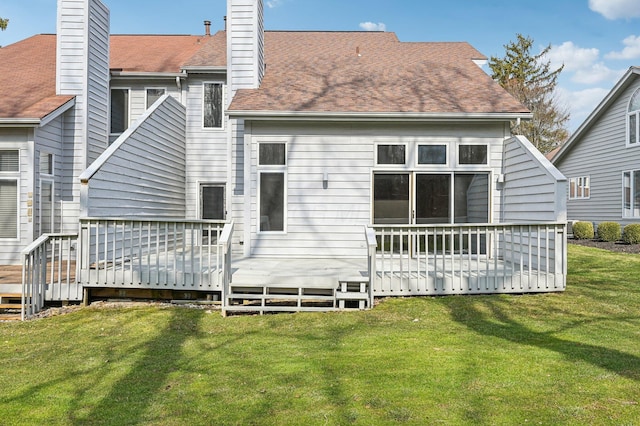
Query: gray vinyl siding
x,y
49,141
533,188
330,221
142,173
98,80
207,149
20,139
245,44
601,153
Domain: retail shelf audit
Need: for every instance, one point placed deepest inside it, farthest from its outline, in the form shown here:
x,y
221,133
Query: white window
x,y
472,154
631,193
633,120
579,187
153,94
272,161
9,177
391,154
119,110
432,154
212,105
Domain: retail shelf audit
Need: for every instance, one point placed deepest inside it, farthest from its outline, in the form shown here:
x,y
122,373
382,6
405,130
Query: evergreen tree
x,y
532,81
3,24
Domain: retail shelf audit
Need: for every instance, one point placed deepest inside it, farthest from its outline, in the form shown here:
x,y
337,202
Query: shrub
x,y
609,231
583,230
631,233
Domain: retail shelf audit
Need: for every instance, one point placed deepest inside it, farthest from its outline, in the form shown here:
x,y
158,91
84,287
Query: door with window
x,y
417,198
212,207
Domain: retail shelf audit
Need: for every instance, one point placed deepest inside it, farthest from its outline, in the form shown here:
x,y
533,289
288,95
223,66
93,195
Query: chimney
x,y
207,28
245,29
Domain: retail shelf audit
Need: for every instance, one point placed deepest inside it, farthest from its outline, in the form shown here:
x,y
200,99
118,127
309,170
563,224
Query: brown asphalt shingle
x,y
361,72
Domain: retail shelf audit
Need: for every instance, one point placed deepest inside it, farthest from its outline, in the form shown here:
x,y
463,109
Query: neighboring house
x,y
602,158
321,146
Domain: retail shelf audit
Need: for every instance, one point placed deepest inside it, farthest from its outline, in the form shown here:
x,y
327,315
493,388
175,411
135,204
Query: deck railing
x,y
469,259
48,272
156,254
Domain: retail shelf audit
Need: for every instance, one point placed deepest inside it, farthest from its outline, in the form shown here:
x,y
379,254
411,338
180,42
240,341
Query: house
x,y
319,167
602,160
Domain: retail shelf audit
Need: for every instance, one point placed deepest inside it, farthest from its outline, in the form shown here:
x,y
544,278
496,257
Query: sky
x,y
596,40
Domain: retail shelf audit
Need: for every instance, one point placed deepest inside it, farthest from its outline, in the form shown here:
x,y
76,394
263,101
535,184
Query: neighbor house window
x,y
153,94
119,110
633,119
212,105
631,193
391,154
579,187
472,154
9,174
272,160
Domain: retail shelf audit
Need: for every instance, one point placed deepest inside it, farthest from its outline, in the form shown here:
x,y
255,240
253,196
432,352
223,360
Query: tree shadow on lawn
x,y
130,397
498,324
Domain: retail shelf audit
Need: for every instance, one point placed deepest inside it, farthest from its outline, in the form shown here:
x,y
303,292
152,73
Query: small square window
x,y
153,95
391,154
472,154
432,154
272,154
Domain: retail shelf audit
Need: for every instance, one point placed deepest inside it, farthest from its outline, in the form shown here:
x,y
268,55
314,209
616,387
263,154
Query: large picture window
x,y
212,106
633,120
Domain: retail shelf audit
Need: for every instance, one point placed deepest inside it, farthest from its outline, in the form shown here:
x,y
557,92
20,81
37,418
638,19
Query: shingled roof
x,y
28,68
371,72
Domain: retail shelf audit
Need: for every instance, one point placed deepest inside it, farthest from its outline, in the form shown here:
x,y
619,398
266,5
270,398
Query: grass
x,y
568,358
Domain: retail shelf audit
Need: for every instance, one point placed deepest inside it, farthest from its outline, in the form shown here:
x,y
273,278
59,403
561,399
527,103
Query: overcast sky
x,y
597,40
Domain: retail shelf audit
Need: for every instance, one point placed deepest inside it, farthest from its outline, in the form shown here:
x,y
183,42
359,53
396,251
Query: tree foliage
x,y
3,24
530,79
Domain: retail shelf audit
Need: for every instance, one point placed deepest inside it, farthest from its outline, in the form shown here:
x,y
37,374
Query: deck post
x,y
372,247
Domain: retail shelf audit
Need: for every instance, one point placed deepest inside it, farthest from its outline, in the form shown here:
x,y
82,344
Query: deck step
x,y
10,305
10,317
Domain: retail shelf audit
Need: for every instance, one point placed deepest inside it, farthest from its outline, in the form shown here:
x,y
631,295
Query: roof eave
x,y
20,122
204,69
147,75
37,121
596,113
378,116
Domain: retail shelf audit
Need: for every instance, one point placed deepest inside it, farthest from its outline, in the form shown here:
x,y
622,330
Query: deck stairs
x,y
10,306
255,294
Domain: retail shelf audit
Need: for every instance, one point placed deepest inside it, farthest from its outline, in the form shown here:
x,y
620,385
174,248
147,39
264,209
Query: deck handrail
x,y
372,247
36,259
470,258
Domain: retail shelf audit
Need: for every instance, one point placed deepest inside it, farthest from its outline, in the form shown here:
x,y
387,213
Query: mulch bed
x,y
618,246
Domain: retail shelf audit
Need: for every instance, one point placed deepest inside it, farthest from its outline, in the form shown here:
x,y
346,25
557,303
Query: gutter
x,y
377,116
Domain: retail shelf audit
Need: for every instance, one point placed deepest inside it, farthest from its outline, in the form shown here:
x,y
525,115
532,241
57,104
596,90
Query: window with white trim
x,y
579,187
633,120
472,154
391,154
119,110
9,178
212,105
153,94
272,162
631,193
46,163
432,154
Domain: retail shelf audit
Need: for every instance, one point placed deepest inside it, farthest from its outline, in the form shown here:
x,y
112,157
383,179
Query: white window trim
x,y
407,155
224,96
447,163
199,185
628,114
4,177
53,165
146,94
575,181
128,121
471,167
53,203
271,168
632,192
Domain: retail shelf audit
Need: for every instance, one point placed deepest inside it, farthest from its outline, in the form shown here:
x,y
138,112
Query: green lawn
x,y
569,358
